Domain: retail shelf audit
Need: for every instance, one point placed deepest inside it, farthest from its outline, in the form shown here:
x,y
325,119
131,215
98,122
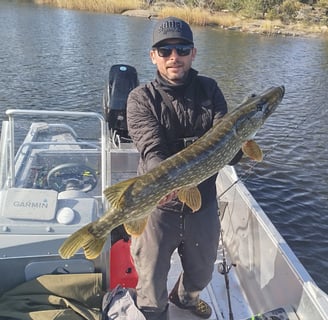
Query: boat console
x,y
51,182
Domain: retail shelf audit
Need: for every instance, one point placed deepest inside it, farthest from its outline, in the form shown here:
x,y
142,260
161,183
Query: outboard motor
x,y
122,79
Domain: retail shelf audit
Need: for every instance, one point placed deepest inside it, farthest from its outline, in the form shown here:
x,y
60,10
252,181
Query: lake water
x,y
59,59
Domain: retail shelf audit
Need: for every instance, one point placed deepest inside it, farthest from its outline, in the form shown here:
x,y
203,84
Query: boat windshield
x,y
52,171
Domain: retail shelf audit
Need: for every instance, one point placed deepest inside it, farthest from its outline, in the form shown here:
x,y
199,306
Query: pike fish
x,y
132,201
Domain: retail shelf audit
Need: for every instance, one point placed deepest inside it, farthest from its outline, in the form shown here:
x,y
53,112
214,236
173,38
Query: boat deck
x,y
215,294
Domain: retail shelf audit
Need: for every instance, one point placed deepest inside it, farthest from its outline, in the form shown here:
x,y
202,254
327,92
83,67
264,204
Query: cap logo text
x,y
171,26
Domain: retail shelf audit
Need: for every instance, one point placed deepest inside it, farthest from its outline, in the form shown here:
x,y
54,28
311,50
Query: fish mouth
x,y
282,92
278,94
271,100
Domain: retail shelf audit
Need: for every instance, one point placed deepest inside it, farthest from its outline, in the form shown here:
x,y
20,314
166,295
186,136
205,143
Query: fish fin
x,y
93,248
252,150
115,194
136,227
82,238
191,197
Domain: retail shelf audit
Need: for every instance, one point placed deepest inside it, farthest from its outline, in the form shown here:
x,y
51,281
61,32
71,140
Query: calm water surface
x,y
59,59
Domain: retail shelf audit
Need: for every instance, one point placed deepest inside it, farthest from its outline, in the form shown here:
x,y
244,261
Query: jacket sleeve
x,y
145,129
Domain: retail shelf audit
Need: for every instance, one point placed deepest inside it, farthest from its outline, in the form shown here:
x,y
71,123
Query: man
x,y
164,116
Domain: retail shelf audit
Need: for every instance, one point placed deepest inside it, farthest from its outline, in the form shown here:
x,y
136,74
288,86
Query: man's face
x,y
174,67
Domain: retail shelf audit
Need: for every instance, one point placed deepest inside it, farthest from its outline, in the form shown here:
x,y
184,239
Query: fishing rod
x,y
224,268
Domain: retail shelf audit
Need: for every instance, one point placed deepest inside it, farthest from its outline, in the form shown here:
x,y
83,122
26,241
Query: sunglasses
x,y
181,49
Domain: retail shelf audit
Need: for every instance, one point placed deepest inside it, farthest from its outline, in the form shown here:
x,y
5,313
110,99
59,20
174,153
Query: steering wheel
x,y
72,176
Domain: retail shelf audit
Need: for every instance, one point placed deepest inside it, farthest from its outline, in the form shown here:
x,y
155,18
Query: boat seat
x,y
64,138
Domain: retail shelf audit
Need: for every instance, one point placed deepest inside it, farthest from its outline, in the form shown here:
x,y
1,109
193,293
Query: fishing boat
x,y
54,168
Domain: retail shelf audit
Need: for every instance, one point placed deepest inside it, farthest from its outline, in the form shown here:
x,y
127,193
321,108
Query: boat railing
x,y
4,154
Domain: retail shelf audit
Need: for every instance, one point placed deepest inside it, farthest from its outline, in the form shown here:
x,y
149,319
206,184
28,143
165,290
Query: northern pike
x,y
133,200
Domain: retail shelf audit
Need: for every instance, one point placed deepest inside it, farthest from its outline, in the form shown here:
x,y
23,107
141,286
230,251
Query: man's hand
x,y
169,197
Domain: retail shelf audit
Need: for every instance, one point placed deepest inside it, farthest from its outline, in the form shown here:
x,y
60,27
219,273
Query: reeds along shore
x,y
107,6
194,16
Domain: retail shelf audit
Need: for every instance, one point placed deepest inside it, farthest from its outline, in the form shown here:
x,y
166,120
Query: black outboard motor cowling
x,y
122,79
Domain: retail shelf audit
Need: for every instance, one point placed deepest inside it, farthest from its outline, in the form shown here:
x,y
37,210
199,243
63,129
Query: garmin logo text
x,y
171,26
30,204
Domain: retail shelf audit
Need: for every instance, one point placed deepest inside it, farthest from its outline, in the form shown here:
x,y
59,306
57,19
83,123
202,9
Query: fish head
x,y
250,115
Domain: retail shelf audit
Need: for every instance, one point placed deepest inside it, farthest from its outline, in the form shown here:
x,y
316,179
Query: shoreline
x,y
306,20
249,26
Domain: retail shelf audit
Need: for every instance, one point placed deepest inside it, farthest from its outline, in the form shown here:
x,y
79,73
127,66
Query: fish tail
x,y
82,239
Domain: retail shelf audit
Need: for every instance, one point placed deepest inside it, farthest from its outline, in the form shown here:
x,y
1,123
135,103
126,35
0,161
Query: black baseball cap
x,y
172,28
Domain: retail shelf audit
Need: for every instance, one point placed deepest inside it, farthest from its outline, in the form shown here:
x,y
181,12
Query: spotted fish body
x,y
134,199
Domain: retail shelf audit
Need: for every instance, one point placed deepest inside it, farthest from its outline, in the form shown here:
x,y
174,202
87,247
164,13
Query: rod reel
x,y
224,268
